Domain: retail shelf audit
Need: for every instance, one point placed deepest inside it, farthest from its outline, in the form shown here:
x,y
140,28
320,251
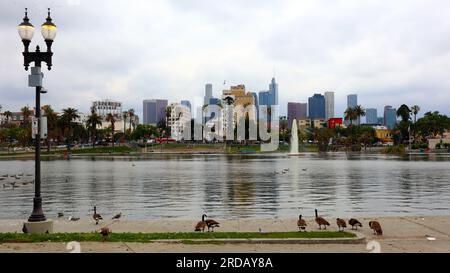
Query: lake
x,y
233,186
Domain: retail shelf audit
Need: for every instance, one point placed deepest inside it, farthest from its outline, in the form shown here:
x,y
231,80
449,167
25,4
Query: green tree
x,y
67,123
26,113
112,118
52,129
415,110
350,114
93,121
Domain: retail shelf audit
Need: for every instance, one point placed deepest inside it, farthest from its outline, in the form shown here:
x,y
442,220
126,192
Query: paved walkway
x,y
401,234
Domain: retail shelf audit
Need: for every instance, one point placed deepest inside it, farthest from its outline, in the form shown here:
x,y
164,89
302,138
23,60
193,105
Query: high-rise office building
x,y
329,105
269,98
316,106
371,116
390,117
187,104
352,102
154,111
208,93
295,111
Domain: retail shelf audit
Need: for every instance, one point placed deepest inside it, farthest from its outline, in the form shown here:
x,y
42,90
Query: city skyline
x,y
349,52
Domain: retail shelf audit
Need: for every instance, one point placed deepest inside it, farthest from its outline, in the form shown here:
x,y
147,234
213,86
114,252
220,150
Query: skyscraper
x,y
208,93
316,105
371,116
273,92
187,104
329,105
296,111
390,117
352,102
154,111
264,98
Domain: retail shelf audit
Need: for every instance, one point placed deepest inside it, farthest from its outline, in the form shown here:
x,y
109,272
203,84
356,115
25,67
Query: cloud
x,y
388,52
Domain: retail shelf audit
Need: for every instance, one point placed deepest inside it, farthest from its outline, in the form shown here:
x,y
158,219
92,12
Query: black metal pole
x,y
38,214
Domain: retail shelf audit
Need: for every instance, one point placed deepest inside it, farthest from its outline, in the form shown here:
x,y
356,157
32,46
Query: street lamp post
x,y
26,31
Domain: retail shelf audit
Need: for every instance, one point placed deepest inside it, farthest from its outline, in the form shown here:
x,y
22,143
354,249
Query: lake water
x,y
229,187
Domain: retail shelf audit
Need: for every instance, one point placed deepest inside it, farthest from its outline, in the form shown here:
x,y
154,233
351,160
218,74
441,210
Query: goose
x,y
341,224
105,233
201,225
97,217
117,216
276,172
321,221
5,175
305,169
376,228
60,214
2,178
354,223
286,170
212,224
301,223
25,229
73,219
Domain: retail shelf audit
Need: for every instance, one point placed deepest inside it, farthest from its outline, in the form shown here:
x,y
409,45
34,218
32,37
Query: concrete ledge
x,y
39,227
360,239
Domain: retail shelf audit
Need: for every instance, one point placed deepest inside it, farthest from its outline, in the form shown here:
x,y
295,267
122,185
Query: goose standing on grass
x,y
25,229
301,223
376,228
212,224
321,221
341,224
97,217
354,223
105,233
117,216
201,225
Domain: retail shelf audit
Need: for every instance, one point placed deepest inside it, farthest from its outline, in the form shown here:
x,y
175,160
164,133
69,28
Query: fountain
x,y
294,138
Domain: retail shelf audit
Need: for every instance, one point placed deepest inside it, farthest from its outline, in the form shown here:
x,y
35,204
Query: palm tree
x,y
131,116
112,118
359,111
26,113
93,121
67,122
124,117
350,114
404,112
8,116
415,110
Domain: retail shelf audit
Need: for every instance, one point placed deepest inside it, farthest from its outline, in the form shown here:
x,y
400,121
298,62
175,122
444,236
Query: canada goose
x,y
117,216
376,228
301,224
60,214
105,233
73,219
321,221
341,224
286,170
97,217
354,223
212,224
25,229
201,225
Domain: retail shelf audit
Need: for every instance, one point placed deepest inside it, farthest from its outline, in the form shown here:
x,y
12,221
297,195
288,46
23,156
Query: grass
x,y
149,237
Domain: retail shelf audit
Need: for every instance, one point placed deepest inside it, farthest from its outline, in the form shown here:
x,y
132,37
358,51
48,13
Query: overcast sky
x,y
387,52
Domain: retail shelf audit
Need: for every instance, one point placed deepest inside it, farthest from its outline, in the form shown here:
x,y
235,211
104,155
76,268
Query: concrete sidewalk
x,y
401,234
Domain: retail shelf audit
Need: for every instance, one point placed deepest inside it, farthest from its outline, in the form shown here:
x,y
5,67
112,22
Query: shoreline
x,y
409,234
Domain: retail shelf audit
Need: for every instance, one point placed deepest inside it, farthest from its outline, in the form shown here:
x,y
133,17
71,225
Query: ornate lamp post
x,y
26,31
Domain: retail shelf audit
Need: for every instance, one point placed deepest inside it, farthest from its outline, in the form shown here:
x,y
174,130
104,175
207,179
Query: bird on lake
x,y
73,219
341,224
117,216
376,228
60,214
2,178
105,233
5,175
97,217
305,169
321,221
301,223
201,225
354,223
5,186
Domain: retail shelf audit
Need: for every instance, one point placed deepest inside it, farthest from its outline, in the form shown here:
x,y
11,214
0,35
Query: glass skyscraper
x,y
352,102
371,116
316,105
390,117
329,105
154,111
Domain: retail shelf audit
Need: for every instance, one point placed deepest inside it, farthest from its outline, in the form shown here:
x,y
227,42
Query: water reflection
x,y
183,186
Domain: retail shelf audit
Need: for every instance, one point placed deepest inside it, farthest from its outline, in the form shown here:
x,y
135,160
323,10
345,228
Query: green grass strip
x,y
148,237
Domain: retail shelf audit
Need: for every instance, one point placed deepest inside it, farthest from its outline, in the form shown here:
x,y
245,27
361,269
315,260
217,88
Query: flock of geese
x,y
301,224
18,180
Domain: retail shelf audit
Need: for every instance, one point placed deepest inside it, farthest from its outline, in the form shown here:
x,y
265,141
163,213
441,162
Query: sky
x,y
387,52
